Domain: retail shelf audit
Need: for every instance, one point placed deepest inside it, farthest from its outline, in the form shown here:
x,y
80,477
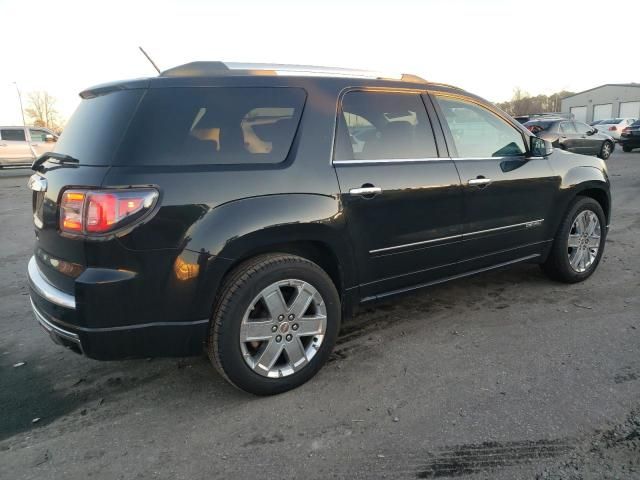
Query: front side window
x,y
38,135
479,133
567,127
13,135
582,128
383,126
214,125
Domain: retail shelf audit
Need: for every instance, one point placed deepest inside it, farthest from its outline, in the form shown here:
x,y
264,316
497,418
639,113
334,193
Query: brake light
x,y
626,130
103,211
612,128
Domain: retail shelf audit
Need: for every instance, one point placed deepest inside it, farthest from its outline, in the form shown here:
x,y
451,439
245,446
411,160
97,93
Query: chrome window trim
x,y
529,224
391,160
46,290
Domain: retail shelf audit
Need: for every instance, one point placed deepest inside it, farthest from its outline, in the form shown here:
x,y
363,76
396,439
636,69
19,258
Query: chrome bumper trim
x,y
54,329
46,290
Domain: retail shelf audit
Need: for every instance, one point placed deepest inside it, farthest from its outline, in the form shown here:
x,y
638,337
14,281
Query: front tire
x,y
275,324
606,150
579,242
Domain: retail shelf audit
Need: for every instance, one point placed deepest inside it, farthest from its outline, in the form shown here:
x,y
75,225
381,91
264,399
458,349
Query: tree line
x,y
522,103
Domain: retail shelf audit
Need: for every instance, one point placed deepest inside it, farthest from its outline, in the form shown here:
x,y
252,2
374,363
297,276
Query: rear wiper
x,y
61,157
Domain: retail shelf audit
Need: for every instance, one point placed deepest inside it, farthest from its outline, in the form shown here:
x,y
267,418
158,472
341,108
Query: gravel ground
x,y
500,376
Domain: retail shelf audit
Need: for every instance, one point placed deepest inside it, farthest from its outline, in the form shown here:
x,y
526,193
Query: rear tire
x,y
577,247
606,150
275,324
627,149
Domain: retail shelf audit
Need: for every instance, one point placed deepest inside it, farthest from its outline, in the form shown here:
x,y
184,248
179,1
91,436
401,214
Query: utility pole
x,y
24,123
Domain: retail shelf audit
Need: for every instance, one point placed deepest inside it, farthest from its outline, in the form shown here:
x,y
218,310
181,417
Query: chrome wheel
x,y
283,328
584,241
606,150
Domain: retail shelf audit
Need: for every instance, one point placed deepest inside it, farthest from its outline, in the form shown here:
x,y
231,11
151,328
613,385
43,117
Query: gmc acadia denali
x,y
247,209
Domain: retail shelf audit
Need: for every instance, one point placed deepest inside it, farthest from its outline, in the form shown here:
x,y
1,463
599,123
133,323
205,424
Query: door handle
x,y
479,182
366,191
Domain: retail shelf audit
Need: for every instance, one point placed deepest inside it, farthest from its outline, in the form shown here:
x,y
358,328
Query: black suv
x,y
246,210
576,137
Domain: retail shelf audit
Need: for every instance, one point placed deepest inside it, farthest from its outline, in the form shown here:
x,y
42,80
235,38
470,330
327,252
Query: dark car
x,y
576,137
630,137
247,210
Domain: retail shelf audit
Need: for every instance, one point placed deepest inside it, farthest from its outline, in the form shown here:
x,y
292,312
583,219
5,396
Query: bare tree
x,y
41,110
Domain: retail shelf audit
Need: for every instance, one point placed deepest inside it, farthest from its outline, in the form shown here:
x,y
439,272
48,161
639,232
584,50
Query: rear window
x,y
611,121
535,127
213,125
14,135
96,127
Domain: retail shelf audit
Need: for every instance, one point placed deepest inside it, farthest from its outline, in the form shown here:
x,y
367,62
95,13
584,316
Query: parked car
x,y
614,126
169,221
14,144
630,137
576,137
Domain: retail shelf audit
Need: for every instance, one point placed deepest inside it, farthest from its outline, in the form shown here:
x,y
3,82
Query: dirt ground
x,y
501,376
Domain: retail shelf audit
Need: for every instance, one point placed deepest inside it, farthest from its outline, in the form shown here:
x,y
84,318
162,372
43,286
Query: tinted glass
x,y
384,126
13,135
567,127
477,132
96,127
636,123
582,127
182,126
38,135
611,121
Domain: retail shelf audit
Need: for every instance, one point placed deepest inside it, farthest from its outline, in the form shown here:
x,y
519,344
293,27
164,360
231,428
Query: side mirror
x,y
49,138
540,147
593,131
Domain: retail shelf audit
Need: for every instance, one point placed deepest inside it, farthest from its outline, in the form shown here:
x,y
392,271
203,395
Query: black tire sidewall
x,y
560,250
228,346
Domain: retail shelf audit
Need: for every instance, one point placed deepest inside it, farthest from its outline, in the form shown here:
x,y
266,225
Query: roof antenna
x,y
149,58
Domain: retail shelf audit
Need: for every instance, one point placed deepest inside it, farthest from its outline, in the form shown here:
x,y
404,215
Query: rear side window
x,y
383,126
537,127
16,135
479,133
213,125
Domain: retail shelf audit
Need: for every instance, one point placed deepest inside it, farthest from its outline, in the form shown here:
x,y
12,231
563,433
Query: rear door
x,y
91,136
400,192
507,196
13,146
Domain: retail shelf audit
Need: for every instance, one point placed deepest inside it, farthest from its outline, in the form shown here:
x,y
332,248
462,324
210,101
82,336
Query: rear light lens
x,y
626,130
95,212
613,128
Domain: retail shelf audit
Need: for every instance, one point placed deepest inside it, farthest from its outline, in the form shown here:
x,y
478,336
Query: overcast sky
x,y
485,46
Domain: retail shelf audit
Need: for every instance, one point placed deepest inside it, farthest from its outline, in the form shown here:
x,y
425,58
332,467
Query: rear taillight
x,y
626,130
612,128
95,212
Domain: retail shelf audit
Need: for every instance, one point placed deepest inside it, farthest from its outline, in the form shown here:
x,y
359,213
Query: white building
x,y
621,100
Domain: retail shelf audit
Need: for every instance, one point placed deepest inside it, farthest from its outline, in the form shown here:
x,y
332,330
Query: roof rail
x,y
202,69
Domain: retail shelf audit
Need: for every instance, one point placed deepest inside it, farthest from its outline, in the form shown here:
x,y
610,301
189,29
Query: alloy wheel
x,y
283,328
584,241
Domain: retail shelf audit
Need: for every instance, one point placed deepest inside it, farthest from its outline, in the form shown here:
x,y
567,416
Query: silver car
x,y
20,145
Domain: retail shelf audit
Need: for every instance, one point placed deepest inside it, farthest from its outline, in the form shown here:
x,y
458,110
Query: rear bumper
x,y
66,322
633,142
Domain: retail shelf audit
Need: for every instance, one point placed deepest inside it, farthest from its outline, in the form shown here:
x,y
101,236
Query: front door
x,y
401,198
507,195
